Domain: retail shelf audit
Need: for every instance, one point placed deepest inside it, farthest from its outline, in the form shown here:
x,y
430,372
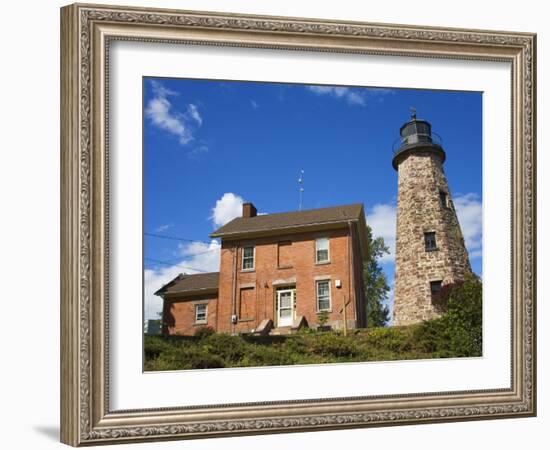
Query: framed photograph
x,y
277,224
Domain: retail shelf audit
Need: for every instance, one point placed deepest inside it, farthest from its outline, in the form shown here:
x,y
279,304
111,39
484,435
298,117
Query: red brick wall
x,y
247,303
267,272
285,254
179,314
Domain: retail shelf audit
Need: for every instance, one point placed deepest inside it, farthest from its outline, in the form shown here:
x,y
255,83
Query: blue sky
x,y
209,145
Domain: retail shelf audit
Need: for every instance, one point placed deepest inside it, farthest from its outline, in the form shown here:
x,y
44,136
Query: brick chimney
x,y
249,210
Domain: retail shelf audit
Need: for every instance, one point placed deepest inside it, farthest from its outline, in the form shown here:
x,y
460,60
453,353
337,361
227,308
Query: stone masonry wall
x,y
419,210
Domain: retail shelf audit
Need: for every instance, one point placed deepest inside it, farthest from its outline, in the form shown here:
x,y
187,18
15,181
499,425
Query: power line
x,y
175,238
158,261
170,262
190,254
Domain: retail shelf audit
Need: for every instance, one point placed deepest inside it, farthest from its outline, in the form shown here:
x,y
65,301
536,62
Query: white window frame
x,y
325,261
205,320
329,309
253,247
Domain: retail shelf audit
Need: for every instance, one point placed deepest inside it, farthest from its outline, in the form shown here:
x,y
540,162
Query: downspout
x,y
218,294
234,287
163,327
351,277
256,305
265,300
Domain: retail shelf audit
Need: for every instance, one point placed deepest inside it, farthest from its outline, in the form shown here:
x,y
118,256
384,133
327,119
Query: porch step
x,y
279,331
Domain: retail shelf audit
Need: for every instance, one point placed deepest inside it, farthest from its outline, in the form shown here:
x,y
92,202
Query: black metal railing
x,y
404,142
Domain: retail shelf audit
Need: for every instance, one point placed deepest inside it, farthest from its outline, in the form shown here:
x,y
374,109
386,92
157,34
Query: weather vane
x,y
412,109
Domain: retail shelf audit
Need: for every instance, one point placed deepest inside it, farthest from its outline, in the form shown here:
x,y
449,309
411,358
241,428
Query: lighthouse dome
x,y
416,136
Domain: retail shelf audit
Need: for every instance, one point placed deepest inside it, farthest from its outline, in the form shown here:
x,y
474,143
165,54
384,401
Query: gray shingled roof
x,y
195,283
294,219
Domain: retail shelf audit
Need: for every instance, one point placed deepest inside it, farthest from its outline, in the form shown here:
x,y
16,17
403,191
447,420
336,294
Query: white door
x,y
285,307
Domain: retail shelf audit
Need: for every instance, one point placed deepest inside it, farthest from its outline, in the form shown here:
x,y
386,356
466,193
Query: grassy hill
x,y
457,333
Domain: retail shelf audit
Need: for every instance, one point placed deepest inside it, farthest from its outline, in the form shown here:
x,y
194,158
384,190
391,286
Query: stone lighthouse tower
x,y
430,250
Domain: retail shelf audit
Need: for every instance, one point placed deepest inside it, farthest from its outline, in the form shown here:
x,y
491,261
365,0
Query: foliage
x,y
204,332
186,357
230,348
333,345
322,318
376,284
261,355
393,339
155,345
457,333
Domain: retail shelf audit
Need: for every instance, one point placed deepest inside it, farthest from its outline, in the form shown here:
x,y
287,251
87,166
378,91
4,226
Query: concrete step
x,y
279,331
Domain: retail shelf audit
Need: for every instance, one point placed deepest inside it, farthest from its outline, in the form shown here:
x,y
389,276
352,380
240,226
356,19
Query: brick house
x,y
276,271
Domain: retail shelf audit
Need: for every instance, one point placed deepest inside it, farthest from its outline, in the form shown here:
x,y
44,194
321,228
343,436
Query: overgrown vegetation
x,y
457,333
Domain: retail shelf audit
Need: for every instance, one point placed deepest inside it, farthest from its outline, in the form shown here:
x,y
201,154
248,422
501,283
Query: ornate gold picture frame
x,y
87,32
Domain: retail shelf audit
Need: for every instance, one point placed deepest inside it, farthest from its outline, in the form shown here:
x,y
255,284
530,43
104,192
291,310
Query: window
x,y
248,258
321,250
323,295
247,303
429,241
201,311
435,289
443,199
284,254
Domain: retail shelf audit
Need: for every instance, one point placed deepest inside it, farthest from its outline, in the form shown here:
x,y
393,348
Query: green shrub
x,y
431,336
297,344
464,318
204,332
230,348
330,344
160,364
197,359
322,318
459,331
154,346
267,356
186,356
389,339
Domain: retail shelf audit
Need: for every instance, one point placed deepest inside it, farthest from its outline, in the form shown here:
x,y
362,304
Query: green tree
x,y
464,317
376,284
459,331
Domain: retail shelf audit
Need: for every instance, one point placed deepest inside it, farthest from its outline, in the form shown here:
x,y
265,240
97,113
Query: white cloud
x,y
353,96
194,113
227,208
197,257
161,112
382,220
254,104
197,151
344,93
164,227
470,216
